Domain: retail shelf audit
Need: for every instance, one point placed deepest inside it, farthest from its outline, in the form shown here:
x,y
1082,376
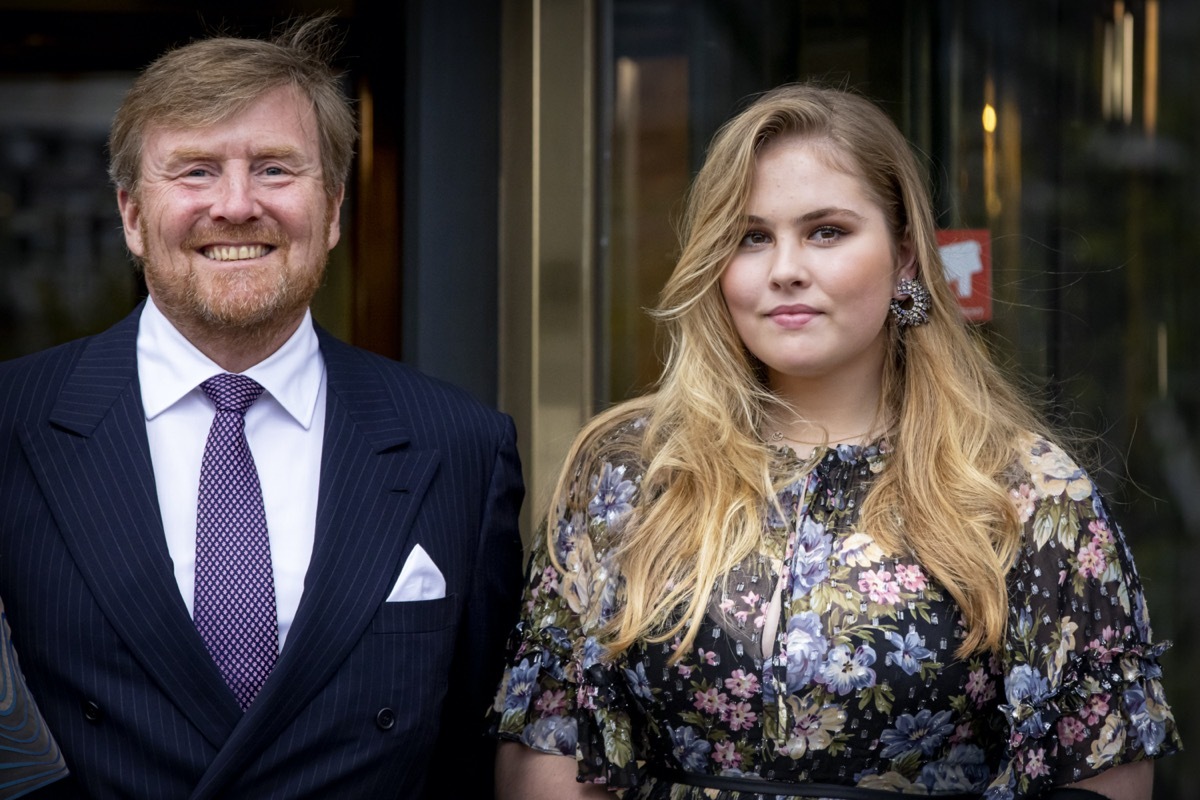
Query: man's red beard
x,y
240,299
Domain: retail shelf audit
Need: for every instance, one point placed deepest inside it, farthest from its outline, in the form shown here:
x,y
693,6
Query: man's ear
x,y
130,214
335,217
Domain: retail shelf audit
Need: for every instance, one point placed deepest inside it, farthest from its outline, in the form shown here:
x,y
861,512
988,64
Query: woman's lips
x,y
791,317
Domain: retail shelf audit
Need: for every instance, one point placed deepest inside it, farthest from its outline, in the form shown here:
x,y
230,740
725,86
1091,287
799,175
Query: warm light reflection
x,y
989,118
1150,70
991,197
1116,74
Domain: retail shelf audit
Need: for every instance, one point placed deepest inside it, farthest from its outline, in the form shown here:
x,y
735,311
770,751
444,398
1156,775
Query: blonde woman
x,y
834,554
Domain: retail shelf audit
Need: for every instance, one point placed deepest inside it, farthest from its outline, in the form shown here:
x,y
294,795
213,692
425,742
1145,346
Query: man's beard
x,y
244,301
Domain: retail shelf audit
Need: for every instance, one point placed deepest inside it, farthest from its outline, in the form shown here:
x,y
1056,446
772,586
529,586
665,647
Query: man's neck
x,y
239,349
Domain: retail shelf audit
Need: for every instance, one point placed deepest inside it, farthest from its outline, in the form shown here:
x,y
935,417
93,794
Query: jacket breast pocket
x,y
416,616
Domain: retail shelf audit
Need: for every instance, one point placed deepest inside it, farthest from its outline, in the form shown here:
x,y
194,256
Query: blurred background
x,y
523,162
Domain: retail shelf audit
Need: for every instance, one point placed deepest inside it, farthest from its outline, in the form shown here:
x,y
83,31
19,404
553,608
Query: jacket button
x,y
385,719
92,711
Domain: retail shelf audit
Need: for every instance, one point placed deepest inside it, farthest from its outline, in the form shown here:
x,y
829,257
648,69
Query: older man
x,y
243,558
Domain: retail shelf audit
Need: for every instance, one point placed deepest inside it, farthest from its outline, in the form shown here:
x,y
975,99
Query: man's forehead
x,y
285,106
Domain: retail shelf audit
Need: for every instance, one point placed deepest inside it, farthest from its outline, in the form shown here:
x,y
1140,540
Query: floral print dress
x,y
825,664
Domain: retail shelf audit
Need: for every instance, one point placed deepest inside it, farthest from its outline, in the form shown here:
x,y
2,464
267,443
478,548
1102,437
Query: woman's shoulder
x,y
1048,470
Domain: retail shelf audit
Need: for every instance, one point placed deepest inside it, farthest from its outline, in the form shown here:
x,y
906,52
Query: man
x,y
320,615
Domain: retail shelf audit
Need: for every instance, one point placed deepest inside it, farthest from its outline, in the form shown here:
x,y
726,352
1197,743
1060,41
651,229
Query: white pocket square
x,y
420,579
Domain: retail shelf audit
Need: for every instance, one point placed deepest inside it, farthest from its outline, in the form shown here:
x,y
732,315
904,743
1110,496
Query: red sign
x,y
967,257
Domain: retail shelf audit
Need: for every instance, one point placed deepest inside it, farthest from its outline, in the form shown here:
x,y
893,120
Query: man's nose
x,y
235,198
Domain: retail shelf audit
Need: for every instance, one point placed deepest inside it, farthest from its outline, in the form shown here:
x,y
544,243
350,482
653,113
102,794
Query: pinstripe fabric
x,y
123,679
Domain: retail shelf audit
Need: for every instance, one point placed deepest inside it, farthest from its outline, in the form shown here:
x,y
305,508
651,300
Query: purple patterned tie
x,y
235,593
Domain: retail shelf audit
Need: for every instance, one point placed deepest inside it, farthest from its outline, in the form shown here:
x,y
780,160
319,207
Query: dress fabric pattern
x,y
822,661
29,756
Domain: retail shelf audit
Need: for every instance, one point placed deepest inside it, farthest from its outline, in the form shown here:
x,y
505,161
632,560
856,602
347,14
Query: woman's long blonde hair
x,y
954,419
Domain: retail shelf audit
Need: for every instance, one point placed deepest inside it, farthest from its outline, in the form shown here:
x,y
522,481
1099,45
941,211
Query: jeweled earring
x,y
913,292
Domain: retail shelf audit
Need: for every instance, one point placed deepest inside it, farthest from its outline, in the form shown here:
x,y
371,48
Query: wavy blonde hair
x,y
953,419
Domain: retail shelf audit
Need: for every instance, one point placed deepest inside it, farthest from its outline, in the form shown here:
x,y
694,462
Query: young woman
x,y
834,554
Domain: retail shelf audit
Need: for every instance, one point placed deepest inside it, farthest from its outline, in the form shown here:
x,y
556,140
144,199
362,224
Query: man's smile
x,y
235,252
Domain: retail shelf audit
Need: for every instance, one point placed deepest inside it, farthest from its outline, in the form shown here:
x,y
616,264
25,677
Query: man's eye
x,y
197,172
274,172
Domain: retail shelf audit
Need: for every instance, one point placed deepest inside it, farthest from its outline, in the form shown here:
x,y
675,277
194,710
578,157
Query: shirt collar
x,y
170,367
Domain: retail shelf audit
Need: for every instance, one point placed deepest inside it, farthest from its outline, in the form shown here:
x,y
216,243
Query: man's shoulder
x,y
410,389
107,356
38,375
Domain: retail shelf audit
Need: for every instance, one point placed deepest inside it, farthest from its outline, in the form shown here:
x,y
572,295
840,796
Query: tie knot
x,y
231,392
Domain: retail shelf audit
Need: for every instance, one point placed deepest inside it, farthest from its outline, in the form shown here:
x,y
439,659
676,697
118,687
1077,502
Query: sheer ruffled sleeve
x,y
1082,688
29,757
559,694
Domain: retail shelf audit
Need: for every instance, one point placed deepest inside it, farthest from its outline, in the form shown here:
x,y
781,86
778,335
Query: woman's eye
x,y
827,233
754,238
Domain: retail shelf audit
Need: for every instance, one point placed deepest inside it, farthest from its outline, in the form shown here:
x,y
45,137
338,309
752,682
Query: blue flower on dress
x,y
592,652
844,673
806,647
910,650
689,749
847,453
1150,728
810,563
552,666
611,495
639,684
522,680
552,735
567,531
1026,690
1024,623
962,770
925,732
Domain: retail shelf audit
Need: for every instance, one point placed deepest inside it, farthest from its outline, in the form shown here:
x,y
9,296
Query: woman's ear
x,y
906,260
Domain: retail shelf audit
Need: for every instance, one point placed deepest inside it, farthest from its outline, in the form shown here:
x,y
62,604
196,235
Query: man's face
x,y
232,221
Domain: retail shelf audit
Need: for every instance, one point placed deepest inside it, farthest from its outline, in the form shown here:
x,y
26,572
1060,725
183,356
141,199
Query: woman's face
x,y
809,285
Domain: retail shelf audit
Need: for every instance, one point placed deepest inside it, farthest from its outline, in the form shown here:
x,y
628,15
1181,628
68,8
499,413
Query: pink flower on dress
x,y
751,599
879,586
706,656
1024,499
726,754
1095,709
1100,531
726,605
910,577
551,703
962,733
742,684
739,716
711,701
1035,765
980,687
1091,560
1071,730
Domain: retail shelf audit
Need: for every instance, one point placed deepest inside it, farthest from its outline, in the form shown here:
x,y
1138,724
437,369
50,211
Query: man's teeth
x,y
236,252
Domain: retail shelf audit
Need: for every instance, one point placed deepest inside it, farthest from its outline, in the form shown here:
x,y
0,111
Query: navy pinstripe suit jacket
x,y
363,689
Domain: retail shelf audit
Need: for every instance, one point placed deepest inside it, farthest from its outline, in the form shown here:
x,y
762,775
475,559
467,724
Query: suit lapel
x,y
370,488
93,462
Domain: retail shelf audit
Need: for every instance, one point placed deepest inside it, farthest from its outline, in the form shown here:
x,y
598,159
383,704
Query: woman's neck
x,y
839,409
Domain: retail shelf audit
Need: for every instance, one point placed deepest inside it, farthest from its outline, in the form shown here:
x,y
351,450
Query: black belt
x,y
834,791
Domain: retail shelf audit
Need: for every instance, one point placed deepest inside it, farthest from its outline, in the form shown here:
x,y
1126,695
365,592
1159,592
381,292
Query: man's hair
x,y
211,80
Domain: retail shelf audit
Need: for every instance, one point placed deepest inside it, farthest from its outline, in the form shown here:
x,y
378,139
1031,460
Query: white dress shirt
x,y
285,428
